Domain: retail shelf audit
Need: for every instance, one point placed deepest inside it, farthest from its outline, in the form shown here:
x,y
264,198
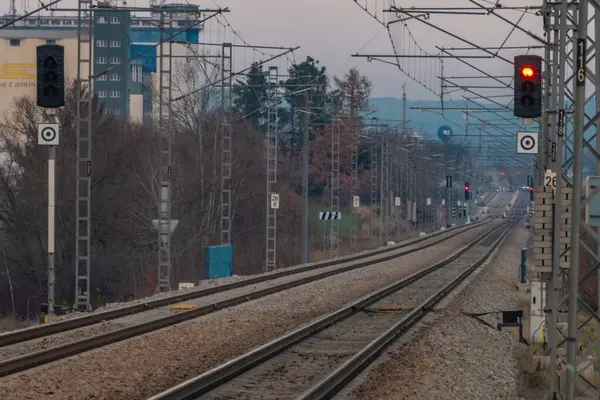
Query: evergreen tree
x,y
307,81
250,96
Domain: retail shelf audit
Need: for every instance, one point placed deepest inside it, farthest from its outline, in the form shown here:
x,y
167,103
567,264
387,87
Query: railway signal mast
x,y
50,96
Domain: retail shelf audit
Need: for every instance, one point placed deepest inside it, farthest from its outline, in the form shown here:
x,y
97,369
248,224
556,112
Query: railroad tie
x,y
386,309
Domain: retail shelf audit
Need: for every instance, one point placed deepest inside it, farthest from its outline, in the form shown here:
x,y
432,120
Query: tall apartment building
x,y
125,45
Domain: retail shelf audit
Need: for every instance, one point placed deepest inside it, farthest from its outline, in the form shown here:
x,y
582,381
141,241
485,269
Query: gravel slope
x,y
454,356
142,366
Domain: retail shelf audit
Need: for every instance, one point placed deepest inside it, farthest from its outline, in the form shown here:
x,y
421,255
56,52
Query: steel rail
x,y
340,378
30,360
218,376
37,332
500,208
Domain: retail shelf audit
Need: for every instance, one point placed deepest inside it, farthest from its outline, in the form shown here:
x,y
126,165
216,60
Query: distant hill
x,y
388,110
426,116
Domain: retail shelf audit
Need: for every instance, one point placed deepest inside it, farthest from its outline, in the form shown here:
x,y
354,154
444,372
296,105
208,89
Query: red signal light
x,y
518,173
503,174
527,72
467,188
530,189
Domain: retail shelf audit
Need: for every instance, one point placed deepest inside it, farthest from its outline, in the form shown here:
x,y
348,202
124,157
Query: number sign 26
x,y
550,180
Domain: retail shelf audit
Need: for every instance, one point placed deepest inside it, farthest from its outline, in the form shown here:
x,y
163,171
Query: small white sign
x,y
428,201
397,201
48,134
355,201
550,179
167,227
329,215
458,202
274,201
443,202
527,142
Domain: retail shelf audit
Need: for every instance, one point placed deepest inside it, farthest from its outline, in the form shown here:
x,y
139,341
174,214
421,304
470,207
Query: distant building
x,y
118,37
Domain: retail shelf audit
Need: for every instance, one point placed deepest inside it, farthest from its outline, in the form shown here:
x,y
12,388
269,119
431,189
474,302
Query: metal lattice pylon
x,y
570,66
395,173
335,185
226,103
374,181
410,180
84,155
272,144
164,113
385,181
354,184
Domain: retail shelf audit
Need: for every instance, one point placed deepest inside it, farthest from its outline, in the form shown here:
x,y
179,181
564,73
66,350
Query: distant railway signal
x,y
530,193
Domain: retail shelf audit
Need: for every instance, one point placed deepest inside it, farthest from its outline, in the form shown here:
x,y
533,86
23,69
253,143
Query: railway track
x,y
21,335
154,315
500,207
488,198
495,205
348,339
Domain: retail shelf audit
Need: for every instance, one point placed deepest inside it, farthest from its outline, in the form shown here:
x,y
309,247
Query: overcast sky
x,y
332,30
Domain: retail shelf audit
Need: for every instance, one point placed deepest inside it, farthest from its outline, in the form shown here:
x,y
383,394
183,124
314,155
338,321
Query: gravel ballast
x,y
296,369
63,338
452,356
206,284
142,366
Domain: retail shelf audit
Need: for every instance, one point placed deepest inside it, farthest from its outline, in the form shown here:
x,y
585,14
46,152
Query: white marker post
x,y
51,225
48,135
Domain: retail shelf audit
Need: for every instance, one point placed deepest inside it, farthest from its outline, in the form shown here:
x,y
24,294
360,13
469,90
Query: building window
x,y
44,22
102,20
115,94
136,73
56,22
101,43
102,94
101,60
15,42
115,60
101,78
50,41
115,77
115,20
115,43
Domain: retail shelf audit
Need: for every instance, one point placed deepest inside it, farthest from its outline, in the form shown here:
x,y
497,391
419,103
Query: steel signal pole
x,y
305,152
579,120
51,225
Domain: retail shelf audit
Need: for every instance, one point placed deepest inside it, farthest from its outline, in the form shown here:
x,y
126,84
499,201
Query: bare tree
x,y
356,88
